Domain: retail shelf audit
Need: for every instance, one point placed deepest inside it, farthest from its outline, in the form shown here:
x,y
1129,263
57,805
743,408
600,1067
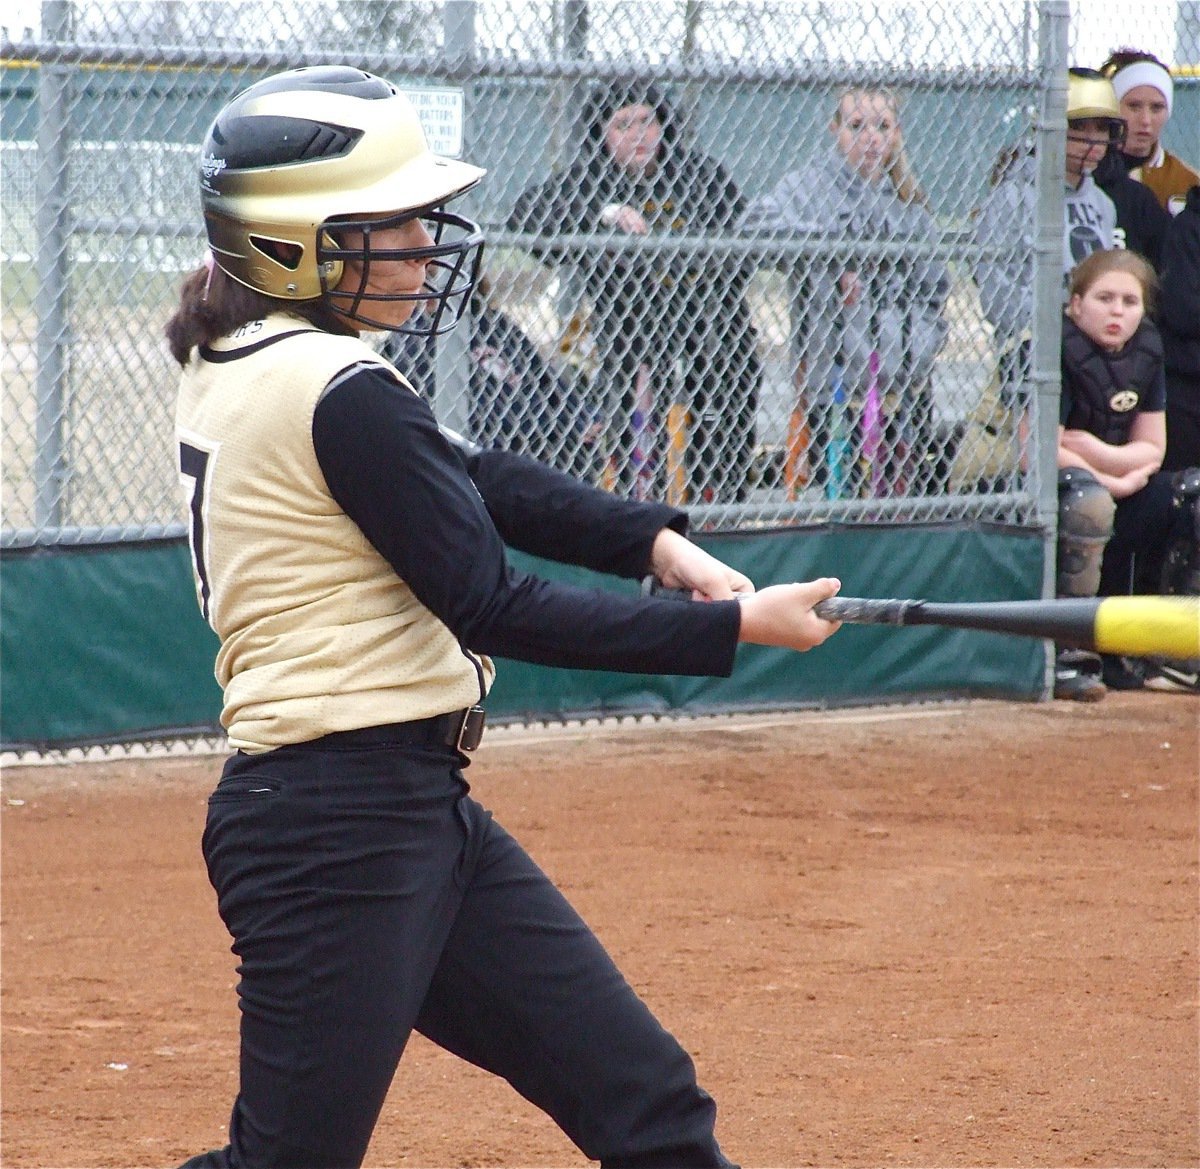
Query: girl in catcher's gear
x,y
351,558
1119,515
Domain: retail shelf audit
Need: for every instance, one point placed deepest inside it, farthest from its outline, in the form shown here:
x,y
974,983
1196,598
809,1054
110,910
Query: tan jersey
x,y
318,633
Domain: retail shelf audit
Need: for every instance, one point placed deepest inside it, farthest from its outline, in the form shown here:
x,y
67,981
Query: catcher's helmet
x,y
302,154
1090,96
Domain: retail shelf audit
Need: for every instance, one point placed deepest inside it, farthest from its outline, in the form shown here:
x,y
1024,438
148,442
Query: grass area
x,y
129,284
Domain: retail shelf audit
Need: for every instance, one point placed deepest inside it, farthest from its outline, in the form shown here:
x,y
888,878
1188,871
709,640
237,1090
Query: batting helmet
x,y
1091,97
299,156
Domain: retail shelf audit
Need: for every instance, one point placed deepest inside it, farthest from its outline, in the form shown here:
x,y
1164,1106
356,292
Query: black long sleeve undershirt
x,y
441,518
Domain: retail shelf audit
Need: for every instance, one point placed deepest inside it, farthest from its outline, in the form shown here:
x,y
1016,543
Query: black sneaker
x,y
1123,673
1077,677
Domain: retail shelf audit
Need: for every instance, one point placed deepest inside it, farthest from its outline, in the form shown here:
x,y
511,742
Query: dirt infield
x,y
942,936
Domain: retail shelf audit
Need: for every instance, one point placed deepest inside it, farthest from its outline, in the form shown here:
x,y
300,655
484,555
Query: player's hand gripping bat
x,y
1167,627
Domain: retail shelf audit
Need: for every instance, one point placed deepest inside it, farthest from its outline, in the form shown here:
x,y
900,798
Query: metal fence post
x,y
569,97
51,265
1048,276
452,360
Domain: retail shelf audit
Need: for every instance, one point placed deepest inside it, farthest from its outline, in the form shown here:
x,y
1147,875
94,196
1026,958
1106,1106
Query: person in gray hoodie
x,y
863,315
1004,273
1005,280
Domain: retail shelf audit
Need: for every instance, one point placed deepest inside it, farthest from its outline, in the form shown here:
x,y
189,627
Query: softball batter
x,y
351,558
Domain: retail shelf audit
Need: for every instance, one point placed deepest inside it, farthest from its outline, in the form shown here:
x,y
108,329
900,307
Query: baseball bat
x,y
640,454
795,466
677,438
1166,627
799,439
872,427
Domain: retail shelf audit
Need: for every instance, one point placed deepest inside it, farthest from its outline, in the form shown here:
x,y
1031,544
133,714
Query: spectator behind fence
x,y
1141,219
673,331
1180,324
862,318
1009,210
1119,515
1146,94
518,399
1004,222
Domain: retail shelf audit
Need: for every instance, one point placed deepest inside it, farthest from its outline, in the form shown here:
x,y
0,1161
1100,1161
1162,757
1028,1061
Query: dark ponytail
x,y
212,306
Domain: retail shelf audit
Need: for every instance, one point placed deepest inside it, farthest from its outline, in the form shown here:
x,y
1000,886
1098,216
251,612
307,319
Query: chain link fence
x,y
777,320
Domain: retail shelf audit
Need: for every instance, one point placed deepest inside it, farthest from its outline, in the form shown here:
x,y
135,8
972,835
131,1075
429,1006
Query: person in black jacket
x,y
672,326
1180,324
1146,93
1141,220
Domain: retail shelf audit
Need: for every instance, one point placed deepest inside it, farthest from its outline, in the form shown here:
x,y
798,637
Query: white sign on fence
x,y
441,114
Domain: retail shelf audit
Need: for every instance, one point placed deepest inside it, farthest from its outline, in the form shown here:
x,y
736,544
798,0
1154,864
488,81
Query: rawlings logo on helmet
x,y
210,167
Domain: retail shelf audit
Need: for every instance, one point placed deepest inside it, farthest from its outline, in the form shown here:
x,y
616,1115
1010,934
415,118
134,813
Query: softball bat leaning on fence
x,y
1134,626
1167,627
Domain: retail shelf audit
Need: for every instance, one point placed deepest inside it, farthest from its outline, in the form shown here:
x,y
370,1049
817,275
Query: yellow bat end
x,y
1149,627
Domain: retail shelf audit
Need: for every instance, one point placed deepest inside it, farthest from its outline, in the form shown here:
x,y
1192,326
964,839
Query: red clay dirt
x,y
951,935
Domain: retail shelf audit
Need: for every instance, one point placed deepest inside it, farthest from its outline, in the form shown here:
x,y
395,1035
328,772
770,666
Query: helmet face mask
x,y
452,268
1110,131
305,151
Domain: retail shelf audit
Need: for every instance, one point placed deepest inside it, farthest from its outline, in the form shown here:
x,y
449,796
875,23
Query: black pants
x,y
368,894
1145,526
1183,421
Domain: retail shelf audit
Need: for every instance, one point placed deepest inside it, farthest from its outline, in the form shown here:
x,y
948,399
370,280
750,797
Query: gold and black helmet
x,y
297,156
1091,97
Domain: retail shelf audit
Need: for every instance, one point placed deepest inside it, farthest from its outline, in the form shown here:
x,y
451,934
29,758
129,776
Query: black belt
x,y
460,729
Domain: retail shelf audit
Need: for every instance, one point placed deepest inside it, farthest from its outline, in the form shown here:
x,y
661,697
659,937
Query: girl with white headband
x,y
1146,93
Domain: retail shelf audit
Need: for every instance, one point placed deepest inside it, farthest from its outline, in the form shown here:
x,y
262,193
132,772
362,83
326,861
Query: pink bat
x,y
872,425
641,455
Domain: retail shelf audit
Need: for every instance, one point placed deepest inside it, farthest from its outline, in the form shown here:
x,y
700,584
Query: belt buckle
x,y
471,732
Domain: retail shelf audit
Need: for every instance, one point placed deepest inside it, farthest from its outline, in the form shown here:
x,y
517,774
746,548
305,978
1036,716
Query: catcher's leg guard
x,y
1085,523
1181,574
1184,560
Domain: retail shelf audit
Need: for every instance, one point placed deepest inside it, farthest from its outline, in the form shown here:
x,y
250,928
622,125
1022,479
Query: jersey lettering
x,y
195,465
